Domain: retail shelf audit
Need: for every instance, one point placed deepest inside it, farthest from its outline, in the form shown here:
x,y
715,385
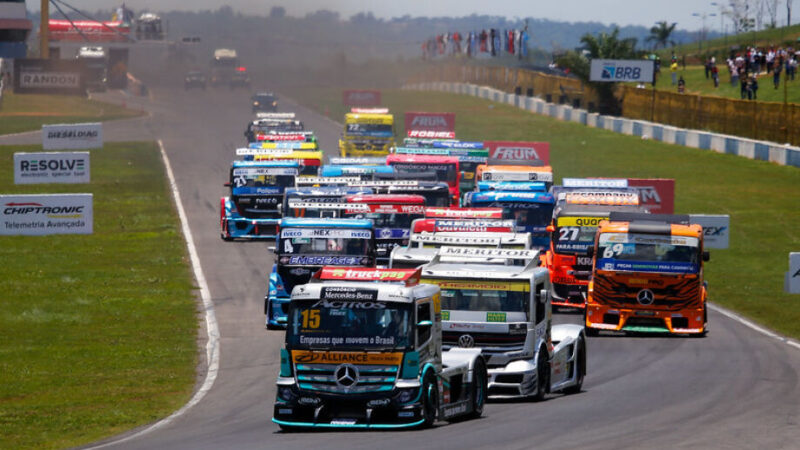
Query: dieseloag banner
x,y
51,167
36,215
72,136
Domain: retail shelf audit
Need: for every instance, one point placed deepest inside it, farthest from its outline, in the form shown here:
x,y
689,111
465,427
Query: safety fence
x,y
749,148
775,122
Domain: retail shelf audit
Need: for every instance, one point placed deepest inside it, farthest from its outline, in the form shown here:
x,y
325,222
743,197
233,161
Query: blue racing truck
x,y
532,211
252,210
305,245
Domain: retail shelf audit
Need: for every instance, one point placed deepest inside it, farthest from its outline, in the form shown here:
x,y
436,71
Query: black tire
x,y
267,312
480,388
289,428
543,375
590,332
580,367
430,400
705,323
226,238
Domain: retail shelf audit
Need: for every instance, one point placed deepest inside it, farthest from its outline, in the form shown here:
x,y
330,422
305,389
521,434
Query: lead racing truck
x,y
505,311
364,350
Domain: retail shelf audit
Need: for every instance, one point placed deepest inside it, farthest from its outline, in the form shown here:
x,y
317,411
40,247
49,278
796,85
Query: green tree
x,y
660,34
602,46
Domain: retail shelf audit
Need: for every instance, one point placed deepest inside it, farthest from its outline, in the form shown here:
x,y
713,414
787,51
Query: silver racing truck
x,y
364,350
505,311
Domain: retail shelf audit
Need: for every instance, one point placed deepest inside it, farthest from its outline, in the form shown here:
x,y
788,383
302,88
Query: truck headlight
x,y
285,393
406,395
255,103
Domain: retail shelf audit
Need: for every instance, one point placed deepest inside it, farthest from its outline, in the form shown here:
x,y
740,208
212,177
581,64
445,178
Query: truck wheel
x,y
289,428
542,375
580,368
591,332
430,400
480,386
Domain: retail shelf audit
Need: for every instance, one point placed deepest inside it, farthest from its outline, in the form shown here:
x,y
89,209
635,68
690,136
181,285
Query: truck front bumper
x,y
515,380
235,227
309,410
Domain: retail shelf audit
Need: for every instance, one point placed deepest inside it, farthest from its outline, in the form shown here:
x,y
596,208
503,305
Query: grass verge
x,y
696,83
762,198
99,330
30,111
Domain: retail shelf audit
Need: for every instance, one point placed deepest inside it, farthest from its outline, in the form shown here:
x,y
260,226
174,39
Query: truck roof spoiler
x,y
419,176
487,253
359,207
650,223
326,181
409,277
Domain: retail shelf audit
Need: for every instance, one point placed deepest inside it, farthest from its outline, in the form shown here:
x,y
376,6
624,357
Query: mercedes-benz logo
x,y
346,375
466,341
645,297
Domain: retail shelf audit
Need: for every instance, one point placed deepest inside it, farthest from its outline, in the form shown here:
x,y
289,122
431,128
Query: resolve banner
x,y
51,167
72,136
361,97
519,150
716,229
49,76
430,121
36,215
655,194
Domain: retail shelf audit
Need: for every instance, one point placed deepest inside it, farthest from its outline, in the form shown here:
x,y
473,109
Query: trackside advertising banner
x,y
716,229
49,76
655,194
519,150
72,136
360,97
618,70
36,215
430,121
52,167
792,280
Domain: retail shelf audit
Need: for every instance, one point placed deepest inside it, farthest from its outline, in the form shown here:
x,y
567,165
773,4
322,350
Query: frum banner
x,y
36,215
51,167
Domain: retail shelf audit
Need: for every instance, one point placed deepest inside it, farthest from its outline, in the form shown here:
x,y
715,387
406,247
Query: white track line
x,y
212,346
733,316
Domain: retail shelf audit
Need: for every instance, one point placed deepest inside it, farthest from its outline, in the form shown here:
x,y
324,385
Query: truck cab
x,y
96,60
305,245
505,311
367,132
532,211
435,193
363,350
470,155
252,210
515,172
647,276
327,194
305,153
447,169
363,172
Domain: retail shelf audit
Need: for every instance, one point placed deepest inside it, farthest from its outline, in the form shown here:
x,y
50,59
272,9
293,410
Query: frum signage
x,y
49,76
72,136
36,215
51,167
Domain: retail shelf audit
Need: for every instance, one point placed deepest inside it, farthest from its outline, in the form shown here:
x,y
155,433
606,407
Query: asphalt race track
x,y
734,389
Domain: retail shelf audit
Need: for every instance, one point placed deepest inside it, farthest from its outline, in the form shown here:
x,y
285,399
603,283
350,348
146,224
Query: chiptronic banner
x,y
72,136
51,167
36,215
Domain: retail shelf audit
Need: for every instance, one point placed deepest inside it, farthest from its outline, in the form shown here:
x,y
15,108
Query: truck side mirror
x,y
706,255
543,294
226,184
590,252
271,248
550,228
424,323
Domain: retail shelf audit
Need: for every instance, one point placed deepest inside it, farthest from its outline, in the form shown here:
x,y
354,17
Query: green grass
x,y
98,331
696,83
27,112
762,198
721,46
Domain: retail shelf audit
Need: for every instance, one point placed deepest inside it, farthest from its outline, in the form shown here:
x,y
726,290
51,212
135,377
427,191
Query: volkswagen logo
x,y
466,341
346,375
645,297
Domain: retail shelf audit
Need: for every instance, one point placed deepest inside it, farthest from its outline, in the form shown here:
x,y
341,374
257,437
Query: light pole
x,y
703,17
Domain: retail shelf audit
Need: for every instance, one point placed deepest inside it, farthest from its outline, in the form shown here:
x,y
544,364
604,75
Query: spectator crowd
x,y
745,68
490,41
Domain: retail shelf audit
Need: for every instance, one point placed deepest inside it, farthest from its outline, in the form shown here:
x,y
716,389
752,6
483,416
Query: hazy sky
x,y
623,12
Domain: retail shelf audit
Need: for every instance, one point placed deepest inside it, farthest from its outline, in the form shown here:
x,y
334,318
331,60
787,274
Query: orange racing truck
x,y
647,275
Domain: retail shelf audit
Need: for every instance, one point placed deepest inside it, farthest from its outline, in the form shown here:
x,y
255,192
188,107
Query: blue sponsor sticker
x,y
324,260
646,266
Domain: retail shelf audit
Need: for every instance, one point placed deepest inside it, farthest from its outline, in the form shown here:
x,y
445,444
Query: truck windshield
x,y
444,172
648,253
316,241
575,234
369,129
457,297
388,220
526,214
242,178
341,322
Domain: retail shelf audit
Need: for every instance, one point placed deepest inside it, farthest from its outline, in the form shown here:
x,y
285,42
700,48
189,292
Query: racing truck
x,y
445,167
392,216
515,171
252,209
647,275
326,194
363,350
264,102
470,155
435,193
305,153
367,132
223,66
572,232
532,211
505,311
305,245
266,123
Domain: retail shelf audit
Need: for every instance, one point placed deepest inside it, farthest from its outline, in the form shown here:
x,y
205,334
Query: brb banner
x,y
431,121
655,194
361,98
36,215
617,70
53,167
72,136
519,150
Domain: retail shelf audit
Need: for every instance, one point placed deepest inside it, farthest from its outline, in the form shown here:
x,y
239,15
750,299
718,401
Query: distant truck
x,y
96,60
364,351
367,132
223,66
